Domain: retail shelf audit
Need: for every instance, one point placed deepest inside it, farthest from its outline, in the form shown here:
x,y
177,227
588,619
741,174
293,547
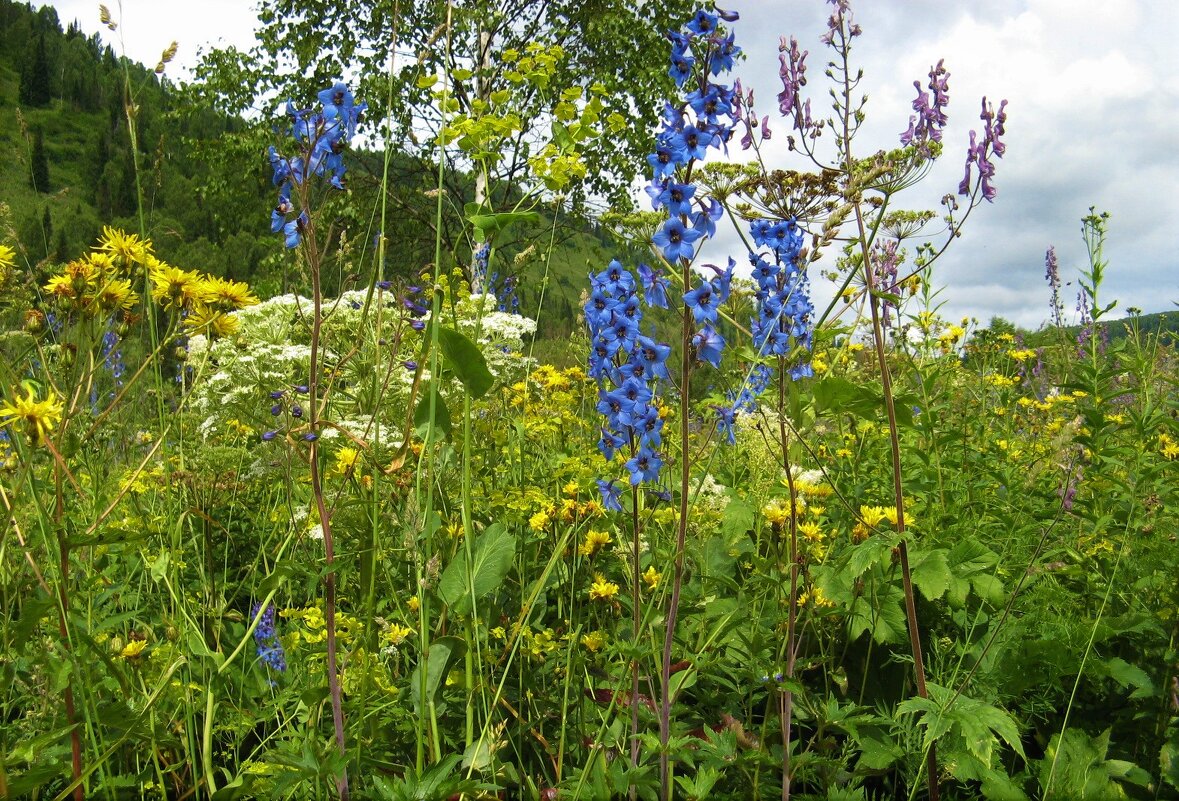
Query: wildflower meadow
x,y
429,503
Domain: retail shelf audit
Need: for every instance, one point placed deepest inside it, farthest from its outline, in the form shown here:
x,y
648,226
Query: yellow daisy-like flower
x,y
811,530
124,247
132,649
873,515
602,590
593,642
1022,355
37,417
1168,447
652,577
228,295
176,289
414,603
347,458
7,257
116,294
776,512
594,542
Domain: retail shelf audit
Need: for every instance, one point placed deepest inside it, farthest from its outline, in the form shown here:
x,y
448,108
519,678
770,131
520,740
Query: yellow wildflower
x,y
116,294
396,634
132,649
227,295
594,641
602,590
873,515
539,521
1022,355
127,248
652,577
776,512
1168,447
811,530
175,288
7,257
37,417
499,633
347,458
413,603
594,542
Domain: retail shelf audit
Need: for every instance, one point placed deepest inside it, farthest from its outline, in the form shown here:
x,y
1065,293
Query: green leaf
x,y
492,558
878,753
467,362
1128,675
1169,759
502,220
443,651
931,573
159,568
737,520
426,428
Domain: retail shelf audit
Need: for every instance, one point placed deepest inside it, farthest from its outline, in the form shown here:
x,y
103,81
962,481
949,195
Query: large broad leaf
x,y
443,651
467,362
931,573
428,427
460,585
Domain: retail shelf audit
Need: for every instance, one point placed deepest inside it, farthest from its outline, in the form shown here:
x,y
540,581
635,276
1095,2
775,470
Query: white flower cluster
x,y
234,376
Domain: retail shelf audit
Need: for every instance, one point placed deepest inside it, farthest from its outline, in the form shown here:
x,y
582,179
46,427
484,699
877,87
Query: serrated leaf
x,y
1128,675
737,519
467,362
931,574
1169,759
491,560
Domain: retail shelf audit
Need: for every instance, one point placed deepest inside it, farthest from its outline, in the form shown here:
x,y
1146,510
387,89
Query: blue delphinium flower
x,y
269,646
609,493
627,366
784,309
321,139
675,240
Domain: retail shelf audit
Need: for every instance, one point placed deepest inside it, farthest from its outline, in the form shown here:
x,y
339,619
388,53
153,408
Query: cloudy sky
x,y
1093,120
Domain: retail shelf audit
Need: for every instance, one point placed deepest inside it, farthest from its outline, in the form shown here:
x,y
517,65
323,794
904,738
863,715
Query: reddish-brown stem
x,y
324,517
856,200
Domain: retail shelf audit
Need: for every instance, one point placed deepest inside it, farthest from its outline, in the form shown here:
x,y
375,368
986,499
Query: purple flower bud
x,y
296,411
413,289
276,410
301,389
311,436
410,365
417,325
276,394
269,435
385,285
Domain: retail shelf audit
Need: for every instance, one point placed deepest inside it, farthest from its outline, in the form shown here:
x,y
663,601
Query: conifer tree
x,y
39,170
